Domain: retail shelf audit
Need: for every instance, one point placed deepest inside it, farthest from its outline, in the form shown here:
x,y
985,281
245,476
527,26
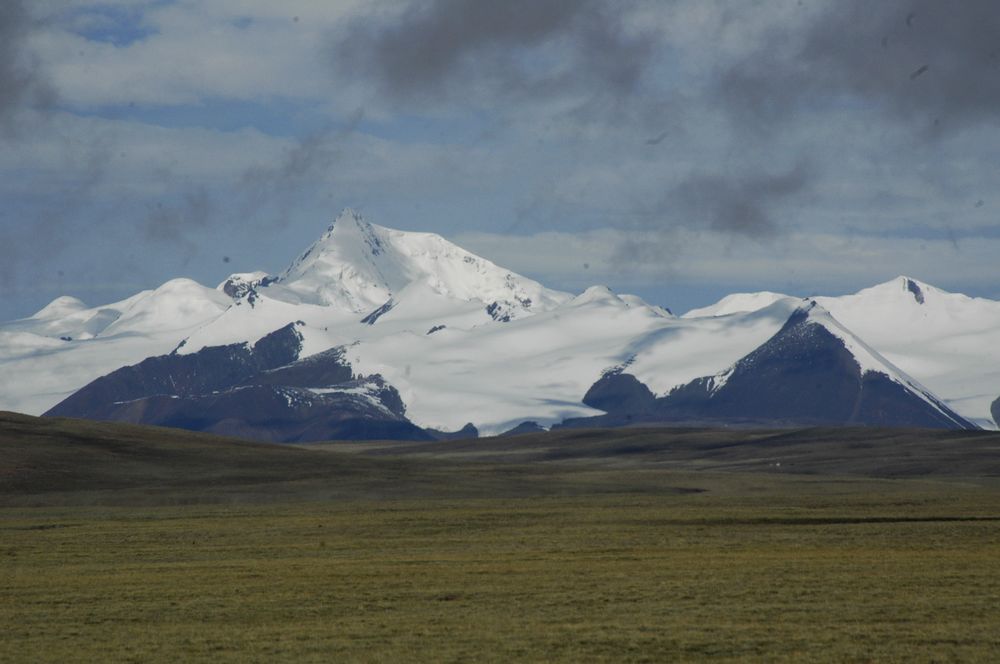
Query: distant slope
x,y
56,455
66,461
815,451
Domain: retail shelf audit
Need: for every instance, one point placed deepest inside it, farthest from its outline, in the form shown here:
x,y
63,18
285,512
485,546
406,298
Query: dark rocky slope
x,y
260,392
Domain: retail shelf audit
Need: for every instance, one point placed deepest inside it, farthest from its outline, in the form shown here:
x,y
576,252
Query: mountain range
x,y
379,333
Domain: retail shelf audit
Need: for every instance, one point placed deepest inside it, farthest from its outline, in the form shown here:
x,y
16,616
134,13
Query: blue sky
x,y
679,149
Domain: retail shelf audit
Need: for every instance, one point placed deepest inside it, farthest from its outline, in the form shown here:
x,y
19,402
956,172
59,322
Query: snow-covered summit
x,y
359,266
737,303
897,292
60,307
868,358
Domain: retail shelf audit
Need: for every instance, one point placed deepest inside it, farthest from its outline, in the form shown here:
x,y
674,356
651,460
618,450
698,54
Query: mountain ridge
x,y
812,372
463,340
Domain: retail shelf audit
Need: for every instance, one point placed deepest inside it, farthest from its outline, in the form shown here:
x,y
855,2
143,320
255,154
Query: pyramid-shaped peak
x,y
347,216
359,266
351,228
348,221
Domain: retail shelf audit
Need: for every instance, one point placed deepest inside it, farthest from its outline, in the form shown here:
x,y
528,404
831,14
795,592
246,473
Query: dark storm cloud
x,y
741,204
22,84
930,62
443,46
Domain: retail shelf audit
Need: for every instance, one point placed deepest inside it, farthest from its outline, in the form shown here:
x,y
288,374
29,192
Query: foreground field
x,y
617,578
317,556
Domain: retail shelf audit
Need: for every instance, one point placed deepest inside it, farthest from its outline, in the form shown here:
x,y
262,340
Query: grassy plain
x,y
360,558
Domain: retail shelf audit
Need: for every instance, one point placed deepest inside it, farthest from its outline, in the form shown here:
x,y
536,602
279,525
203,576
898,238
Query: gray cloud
x,y
22,83
167,222
513,49
933,63
307,165
45,223
930,66
741,204
259,197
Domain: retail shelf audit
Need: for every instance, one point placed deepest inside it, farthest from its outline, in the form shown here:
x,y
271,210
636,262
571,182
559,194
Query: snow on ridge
x,y
367,390
59,307
598,295
177,304
636,301
870,360
536,366
950,341
737,303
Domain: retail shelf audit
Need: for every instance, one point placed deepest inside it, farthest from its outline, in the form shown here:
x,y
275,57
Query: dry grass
x,y
781,576
138,544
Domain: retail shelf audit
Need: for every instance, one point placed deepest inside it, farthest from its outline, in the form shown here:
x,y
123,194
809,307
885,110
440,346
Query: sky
x,y
677,149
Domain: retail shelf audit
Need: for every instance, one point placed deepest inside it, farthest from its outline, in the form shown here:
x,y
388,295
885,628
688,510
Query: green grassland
x,y
134,544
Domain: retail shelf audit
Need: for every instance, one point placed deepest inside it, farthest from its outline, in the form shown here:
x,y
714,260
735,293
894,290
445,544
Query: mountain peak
x,y
359,266
59,307
913,287
910,287
350,226
737,303
347,216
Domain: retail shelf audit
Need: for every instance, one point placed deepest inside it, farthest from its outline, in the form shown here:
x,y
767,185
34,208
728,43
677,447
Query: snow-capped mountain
x,y
812,371
360,267
401,280
458,339
949,341
50,355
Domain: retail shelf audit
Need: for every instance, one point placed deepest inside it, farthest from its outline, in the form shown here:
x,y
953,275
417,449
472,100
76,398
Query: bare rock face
x,y
238,286
617,392
918,294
